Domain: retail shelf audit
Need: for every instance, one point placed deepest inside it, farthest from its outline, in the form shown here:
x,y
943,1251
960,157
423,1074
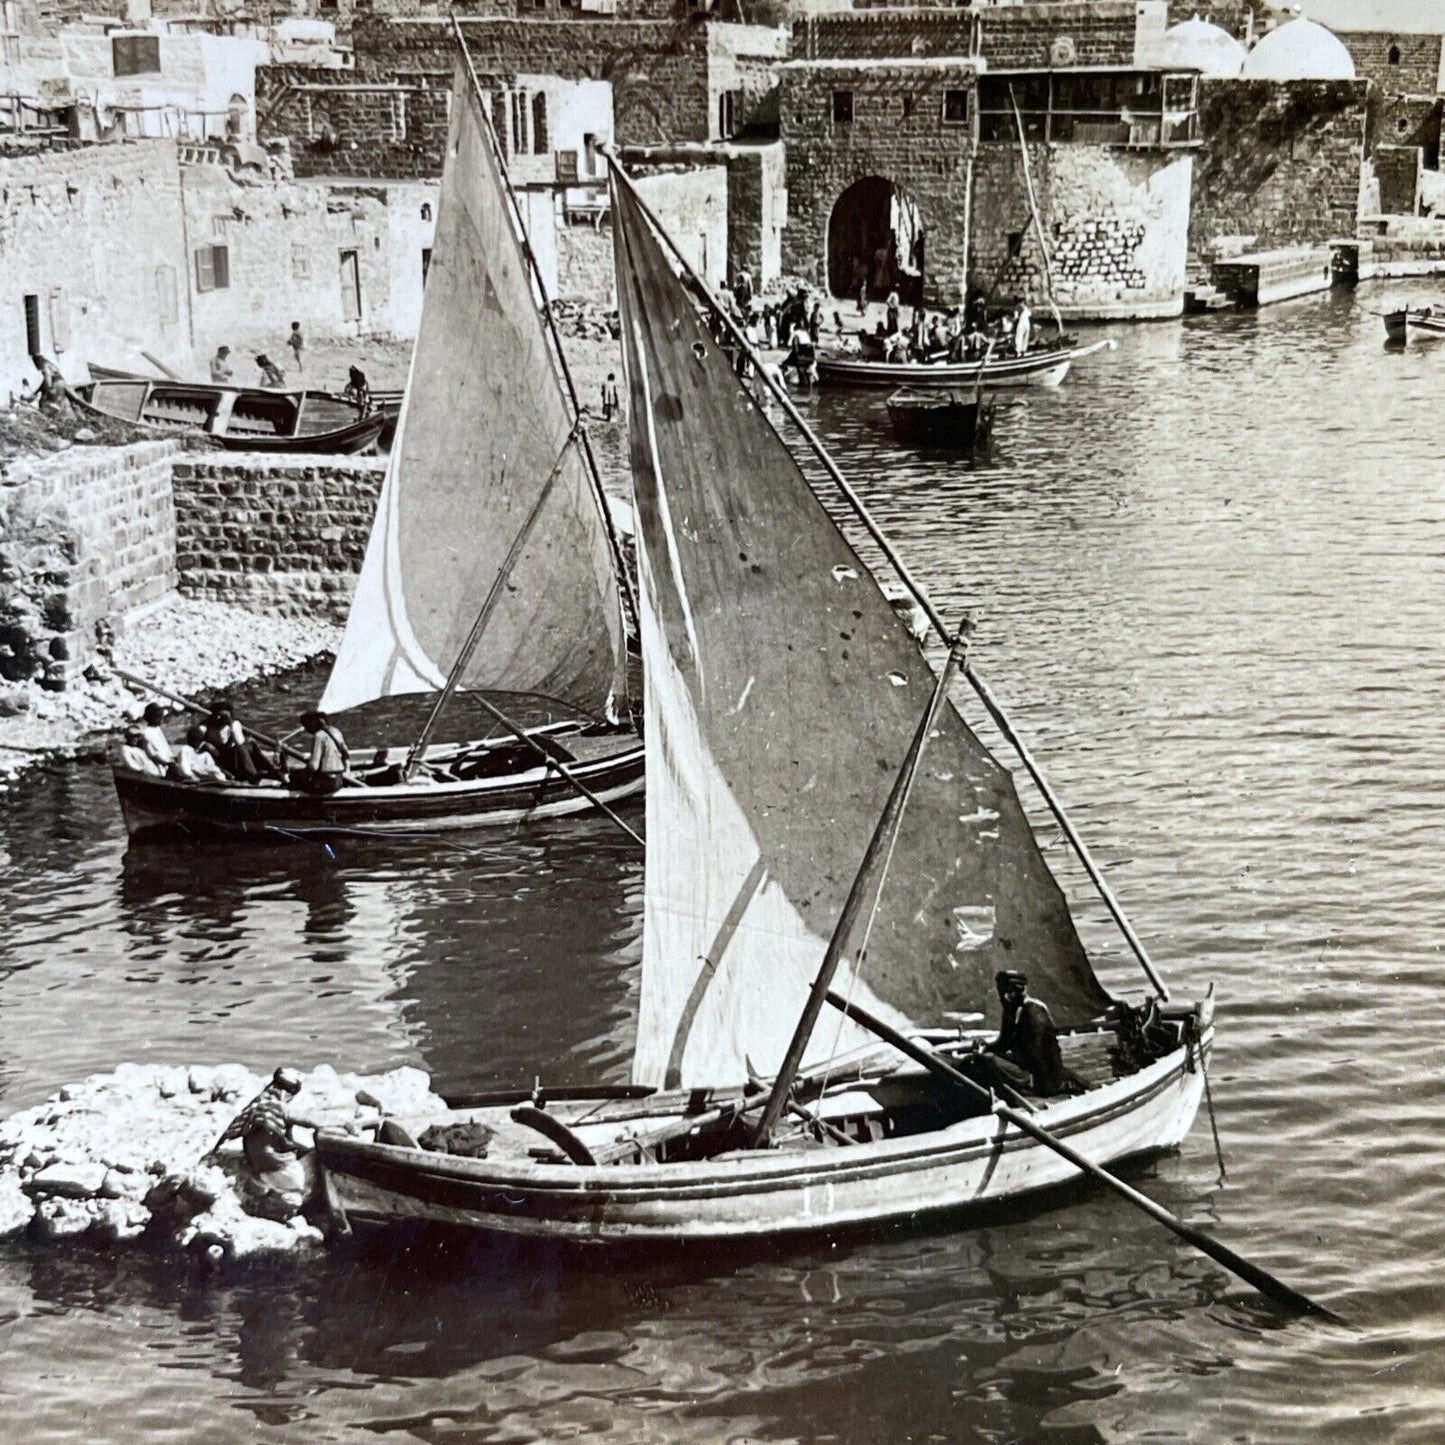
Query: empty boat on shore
x,y
238,418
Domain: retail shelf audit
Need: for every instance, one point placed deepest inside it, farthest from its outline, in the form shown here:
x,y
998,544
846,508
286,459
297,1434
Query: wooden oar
x,y
1261,1279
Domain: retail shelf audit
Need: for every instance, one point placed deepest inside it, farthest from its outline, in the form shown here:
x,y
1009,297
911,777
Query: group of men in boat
x,y
960,335
219,751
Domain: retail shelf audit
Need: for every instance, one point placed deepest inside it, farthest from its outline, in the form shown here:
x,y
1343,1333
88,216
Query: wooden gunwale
x,y
736,1174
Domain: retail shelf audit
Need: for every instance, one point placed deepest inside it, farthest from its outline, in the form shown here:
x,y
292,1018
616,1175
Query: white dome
x,y
1197,45
1299,50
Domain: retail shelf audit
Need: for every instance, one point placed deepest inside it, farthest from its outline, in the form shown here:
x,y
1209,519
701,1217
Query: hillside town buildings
x,y
213,173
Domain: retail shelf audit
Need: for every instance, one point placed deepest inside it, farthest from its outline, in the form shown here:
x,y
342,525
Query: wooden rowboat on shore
x,y
1042,366
238,418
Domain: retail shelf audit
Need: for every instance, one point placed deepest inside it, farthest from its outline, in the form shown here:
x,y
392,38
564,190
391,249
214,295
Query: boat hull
x,y
1038,368
977,1162
938,420
153,806
1399,325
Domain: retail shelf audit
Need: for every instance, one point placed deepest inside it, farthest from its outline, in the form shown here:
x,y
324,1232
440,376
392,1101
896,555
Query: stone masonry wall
x,y
1414,71
1102,32
88,535
1397,168
272,534
897,132
1280,161
95,236
1117,223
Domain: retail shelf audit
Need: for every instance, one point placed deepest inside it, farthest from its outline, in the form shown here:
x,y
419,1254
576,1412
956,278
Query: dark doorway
x,y
875,234
32,326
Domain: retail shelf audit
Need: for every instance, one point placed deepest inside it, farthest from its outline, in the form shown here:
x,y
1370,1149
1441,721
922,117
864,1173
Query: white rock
x,y
67,1181
15,1206
65,1218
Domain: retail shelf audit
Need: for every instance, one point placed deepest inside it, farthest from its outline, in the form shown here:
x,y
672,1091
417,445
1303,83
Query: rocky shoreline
x,y
189,646
126,1158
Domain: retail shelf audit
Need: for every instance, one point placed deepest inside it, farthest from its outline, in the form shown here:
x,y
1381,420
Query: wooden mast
x,y
879,848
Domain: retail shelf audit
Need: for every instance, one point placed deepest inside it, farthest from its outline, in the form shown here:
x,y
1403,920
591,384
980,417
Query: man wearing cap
x,y
1028,1041
279,1167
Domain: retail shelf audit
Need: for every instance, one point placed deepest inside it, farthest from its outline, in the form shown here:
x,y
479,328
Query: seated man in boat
x,y
195,762
237,753
1025,1055
153,735
325,768
133,755
279,1170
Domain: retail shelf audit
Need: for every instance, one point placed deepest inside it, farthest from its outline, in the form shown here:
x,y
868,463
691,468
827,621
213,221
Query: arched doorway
x,y
876,233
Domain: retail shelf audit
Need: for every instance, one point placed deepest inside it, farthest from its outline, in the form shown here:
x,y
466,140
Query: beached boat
x,y
1040,366
491,568
824,832
1424,320
236,417
940,419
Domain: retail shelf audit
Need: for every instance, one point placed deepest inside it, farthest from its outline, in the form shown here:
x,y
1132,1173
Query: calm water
x,y
1210,577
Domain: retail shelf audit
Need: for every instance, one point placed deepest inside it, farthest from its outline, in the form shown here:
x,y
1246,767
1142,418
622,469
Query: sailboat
x,y
836,870
492,565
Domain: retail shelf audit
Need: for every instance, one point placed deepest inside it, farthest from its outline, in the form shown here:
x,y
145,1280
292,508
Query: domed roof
x,y
1197,45
1299,50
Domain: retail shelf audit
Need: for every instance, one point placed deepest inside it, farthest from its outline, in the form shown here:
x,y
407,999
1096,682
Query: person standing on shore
x,y
296,343
611,404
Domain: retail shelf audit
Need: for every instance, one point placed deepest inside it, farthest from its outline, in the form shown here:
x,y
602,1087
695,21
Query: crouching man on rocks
x,y
279,1172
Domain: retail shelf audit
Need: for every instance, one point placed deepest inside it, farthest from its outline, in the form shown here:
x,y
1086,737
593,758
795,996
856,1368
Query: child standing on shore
x,y
295,342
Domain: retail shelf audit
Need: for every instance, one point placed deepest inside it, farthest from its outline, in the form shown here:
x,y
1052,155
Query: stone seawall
x,y
85,537
282,535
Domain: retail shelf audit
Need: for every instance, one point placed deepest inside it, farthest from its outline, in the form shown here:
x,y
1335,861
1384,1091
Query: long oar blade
x,y
1261,1279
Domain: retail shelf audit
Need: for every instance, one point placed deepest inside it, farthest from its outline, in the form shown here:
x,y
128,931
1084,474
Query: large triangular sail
x,y
781,695
482,429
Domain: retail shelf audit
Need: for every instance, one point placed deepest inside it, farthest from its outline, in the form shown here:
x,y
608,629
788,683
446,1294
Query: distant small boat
x,y
1045,366
940,419
238,418
1399,324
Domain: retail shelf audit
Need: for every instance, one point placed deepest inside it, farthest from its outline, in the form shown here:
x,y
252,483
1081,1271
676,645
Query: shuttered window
x,y
135,54
213,268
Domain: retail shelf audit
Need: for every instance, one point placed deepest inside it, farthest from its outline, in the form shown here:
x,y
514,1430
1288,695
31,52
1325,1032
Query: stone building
x,y
905,170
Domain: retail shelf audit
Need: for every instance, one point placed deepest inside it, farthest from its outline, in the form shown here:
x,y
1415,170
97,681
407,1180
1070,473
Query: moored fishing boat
x,y
824,832
940,419
1423,319
238,418
491,567
1041,366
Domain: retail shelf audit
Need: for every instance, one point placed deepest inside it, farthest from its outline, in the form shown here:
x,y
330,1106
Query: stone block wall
x,y
1100,32
273,534
897,132
757,187
1405,120
1395,64
94,236
284,243
85,537
341,127
1117,223
1280,161
1397,168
